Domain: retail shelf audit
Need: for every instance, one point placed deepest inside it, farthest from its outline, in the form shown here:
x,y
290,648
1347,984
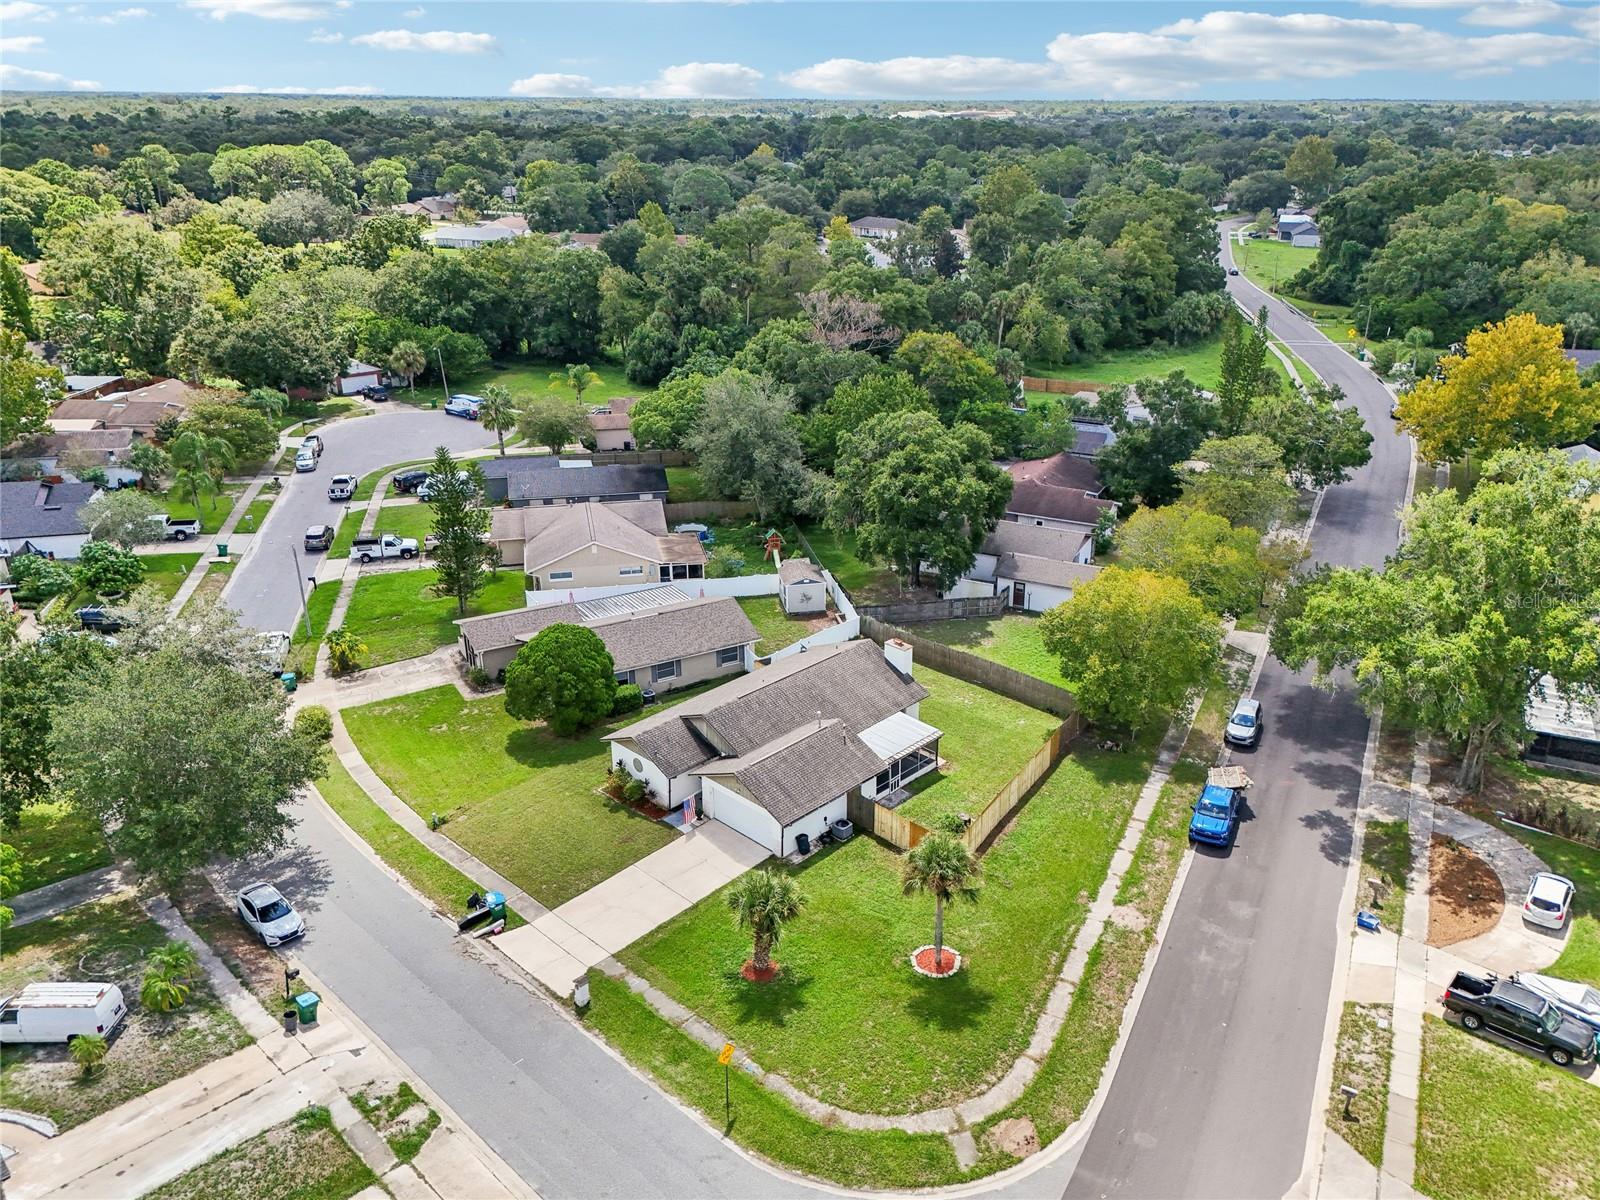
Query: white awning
x,y
1550,712
898,734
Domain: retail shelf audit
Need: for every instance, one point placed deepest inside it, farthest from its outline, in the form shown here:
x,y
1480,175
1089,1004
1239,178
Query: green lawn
x,y
749,540
213,511
1581,864
1012,640
403,520
1385,855
397,616
987,739
424,870
911,1042
520,798
865,583
776,628
165,573
1269,263
346,526
1361,1060
55,842
1201,362
106,941
1493,1124
684,485
257,511
525,378
212,582
303,1158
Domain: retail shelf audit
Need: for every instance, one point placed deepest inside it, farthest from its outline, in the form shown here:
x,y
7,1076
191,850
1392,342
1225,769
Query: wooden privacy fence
x,y
1057,387
1024,689
901,831
936,610
714,510
648,458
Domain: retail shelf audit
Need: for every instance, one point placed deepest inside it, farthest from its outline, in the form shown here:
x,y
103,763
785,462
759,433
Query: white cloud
x,y
1516,14
119,16
322,37
413,13
553,84
21,77
343,89
23,10
438,41
20,45
267,10
1219,47
694,80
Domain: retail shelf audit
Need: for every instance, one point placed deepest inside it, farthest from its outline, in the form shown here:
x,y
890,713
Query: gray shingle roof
x,y
1047,571
538,477
634,640
31,509
798,570
807,768
1032,498
1039,541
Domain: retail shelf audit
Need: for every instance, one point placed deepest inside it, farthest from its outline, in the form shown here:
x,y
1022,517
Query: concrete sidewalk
x,y
559,946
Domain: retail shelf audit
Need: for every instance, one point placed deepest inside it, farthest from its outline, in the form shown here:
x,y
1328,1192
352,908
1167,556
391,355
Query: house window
x,y
696,571
666,572
729,655
560,576
631,571
903,770
665,670
624,676
680,571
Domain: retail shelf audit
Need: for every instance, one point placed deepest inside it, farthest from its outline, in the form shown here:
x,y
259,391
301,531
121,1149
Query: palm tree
x,y
210,455
168,970
1419,339
189,484
761,903
578,377
408,360
498,412
942,864
88,1050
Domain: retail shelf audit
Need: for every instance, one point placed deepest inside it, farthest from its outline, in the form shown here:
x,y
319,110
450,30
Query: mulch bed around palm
x,y
948,963
1464,894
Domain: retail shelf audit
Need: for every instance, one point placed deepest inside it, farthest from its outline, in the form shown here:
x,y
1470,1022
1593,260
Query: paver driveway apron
x,y
560,945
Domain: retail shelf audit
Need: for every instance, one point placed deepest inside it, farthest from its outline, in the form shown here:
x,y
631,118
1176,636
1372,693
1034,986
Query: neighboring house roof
x,y
635,527
539,477
473,235
1029,498
512,221
798,570
1060,470
33,510
356,367
1035,541
56,444
1582,453
436,206
662,633
615,413
1552,712
88,383
138,408
876,225
1584,358
36,285
852,683
1050,572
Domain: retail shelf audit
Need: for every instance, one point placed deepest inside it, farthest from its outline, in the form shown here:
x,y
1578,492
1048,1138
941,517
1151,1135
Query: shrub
x,y
478,679
314,722
109,570
167,974
629,698
633,790
38,578
88,1051
1383,356
724,562
345,650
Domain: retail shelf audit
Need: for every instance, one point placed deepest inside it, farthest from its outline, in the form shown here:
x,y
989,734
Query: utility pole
x,y
440,351
301,580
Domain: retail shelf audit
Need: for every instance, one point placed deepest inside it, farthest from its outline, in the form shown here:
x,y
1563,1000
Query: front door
x,y
1019,596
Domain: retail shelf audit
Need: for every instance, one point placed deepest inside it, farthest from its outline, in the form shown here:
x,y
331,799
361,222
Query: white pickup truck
x,y
386,545
175,530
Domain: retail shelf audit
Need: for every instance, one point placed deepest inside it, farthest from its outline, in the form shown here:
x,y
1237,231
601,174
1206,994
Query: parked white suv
x,y
1549,900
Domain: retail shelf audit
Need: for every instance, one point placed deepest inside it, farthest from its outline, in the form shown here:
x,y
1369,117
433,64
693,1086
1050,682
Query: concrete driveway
x,y
559,946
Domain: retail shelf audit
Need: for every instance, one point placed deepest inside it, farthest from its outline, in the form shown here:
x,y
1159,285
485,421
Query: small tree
x,y
152,463
1242,480
943,865
345,650
462,555
88,1050
408,360
552,422
498,412
564,676
168,974
109,570
122,518
578,377
762,902
190,485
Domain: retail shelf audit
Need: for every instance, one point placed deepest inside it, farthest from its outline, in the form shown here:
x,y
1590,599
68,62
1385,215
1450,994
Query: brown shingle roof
x,y
798,570
1038,541
634,640
1034,499
1061,470
551,532
1048,571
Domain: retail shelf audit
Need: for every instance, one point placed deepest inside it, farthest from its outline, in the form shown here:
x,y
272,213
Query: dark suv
x,y
407,482
1520,1014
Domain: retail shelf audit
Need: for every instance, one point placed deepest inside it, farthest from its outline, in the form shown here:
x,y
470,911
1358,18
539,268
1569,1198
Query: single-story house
x,y
595,545
1062,491
67,452
801,589
1562,727
1299,229
877,228
138,408
541,479
435,208
779,752
1034,567
44,518
613,424
660,638
355,376
515,222
466,237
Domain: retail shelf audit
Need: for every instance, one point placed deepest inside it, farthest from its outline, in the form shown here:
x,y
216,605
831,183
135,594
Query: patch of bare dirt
x,y
1017,1137
1464,894
1128,916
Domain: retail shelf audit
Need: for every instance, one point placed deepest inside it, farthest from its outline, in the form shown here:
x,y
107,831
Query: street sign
x,y
726,1056
1351,334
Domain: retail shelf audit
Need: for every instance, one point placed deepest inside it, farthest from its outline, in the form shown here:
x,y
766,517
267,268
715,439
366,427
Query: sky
x,y
898,50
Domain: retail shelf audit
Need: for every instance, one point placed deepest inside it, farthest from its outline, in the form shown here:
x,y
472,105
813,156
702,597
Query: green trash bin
x,y
306,1005
222,549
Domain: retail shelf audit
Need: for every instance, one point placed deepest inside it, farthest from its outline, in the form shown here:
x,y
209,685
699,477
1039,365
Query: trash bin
x,y
305,1005
289,680
222,549
802,843
291,1019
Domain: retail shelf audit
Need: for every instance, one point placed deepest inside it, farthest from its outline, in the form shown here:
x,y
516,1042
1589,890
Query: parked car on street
x,y
385,545
319,537
273,918
463,405
1549,900
1216,816
342,487
177,529
99,619
1233,270
313,443
1520,1014
1244,723
406,482
60,1012
305,460
1577,1000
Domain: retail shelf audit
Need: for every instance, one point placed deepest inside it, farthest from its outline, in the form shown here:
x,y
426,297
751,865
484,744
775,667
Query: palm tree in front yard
x,y
943,865
189,484
762,902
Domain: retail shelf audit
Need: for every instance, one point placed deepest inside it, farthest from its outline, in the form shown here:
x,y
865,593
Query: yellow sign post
x,y
726,1058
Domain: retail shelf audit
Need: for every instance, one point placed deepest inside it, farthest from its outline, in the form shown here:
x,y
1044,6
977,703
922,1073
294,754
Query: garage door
x,y
742,815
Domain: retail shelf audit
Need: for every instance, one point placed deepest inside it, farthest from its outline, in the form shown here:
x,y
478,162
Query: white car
x,y
1244,724
1578,1000
1549,900
271,916
274,650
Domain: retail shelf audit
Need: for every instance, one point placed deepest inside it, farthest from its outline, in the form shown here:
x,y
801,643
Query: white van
x,y
59,1012
463,405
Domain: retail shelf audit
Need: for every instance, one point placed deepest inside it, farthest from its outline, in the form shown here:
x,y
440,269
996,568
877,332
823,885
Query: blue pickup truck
x,y
1216,816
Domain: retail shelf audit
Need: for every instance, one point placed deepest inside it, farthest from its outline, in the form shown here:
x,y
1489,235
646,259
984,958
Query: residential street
x,y
1213,1096
263,587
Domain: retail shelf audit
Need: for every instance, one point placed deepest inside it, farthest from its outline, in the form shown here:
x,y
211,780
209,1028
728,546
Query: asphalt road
x,y
263,588
1214,1093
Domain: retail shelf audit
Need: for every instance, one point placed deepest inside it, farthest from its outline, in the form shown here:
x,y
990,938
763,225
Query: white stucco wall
x,y
737,813
626,758
814,823
1037,597
65,546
